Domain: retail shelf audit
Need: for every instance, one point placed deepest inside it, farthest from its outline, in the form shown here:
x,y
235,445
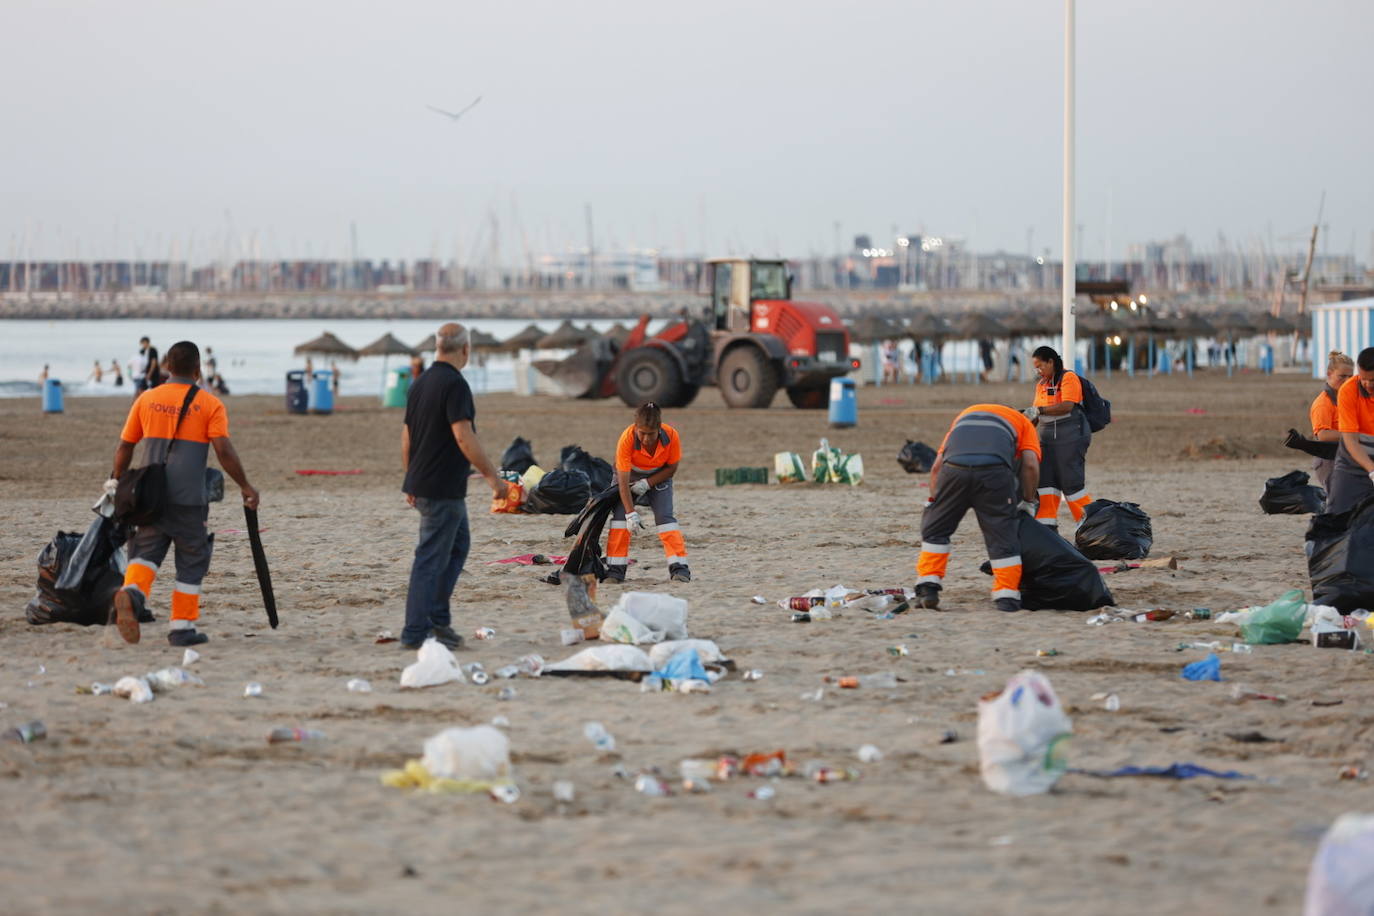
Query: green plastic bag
x,y
1278,622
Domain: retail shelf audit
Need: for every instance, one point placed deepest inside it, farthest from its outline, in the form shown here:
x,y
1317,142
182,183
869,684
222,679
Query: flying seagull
x,y
455,115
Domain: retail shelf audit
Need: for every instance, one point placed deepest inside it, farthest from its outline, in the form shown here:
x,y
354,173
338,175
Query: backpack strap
x,y
185,407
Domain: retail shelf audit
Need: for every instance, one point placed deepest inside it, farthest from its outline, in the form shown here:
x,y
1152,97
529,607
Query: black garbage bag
x,y
916,457
77,576
1291,494
585,556
1055,576
559,492
1340,557
518,456
1114,531
598,471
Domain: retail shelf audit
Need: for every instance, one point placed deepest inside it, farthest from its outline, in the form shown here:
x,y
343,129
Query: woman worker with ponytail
x,y
1064,437
1352,477
646,458
1339,369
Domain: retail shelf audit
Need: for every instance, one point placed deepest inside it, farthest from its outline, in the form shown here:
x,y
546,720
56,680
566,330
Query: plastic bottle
x,y
580,592
881,679
531,665
26,734
484,633
596,733
1241,648
282,735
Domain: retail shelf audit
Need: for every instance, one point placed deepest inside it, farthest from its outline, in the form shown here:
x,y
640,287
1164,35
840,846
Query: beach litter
x,y
1172,771
460,761
682,672
26,733
189,657
136,689
868,753
358,685
288,734
1208,669
250,690
601,739
434,665
1023,736
1279,622
645,617
484,633
563,791
1341,877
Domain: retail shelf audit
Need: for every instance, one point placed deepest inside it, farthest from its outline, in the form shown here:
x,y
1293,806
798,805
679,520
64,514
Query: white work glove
x,y
1031,413
111,486
639,487
1029,507
632,521
1371,475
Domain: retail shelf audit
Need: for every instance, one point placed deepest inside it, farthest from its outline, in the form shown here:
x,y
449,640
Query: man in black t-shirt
x,y
439,447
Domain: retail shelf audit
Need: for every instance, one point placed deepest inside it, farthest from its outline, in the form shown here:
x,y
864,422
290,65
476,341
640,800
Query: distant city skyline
x,y
218,131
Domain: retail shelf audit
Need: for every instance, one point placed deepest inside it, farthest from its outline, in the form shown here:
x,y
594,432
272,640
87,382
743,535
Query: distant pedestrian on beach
x,y
43,376
180,432
439,446
417,365
335,375
97,373
118,373
144,367
211,364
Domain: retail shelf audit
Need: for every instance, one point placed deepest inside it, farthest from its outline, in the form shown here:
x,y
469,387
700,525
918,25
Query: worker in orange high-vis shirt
x,y
989,457
177,426
1352,479
1064,438
646,458
1322,413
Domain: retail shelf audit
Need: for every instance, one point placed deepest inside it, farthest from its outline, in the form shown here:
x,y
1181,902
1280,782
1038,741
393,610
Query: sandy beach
x,y
182,805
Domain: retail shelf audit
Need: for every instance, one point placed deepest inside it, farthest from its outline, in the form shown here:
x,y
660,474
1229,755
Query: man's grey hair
x,y
453,341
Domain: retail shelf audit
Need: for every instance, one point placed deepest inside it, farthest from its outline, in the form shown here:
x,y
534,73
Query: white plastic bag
x,y
645,617
605,658
1324,619
1341,879
787,467
707,651
137,689
480,754
433,665
1022,736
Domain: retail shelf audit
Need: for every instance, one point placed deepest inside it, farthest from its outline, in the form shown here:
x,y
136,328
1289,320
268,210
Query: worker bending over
x,y
987,448
646,458
1352,478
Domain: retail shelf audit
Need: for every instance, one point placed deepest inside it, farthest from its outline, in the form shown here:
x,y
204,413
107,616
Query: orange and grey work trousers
x,y
1063,466
660,499
990,492
183,526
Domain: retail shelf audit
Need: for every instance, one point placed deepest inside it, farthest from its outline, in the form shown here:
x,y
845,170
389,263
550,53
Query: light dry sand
x,y
182,806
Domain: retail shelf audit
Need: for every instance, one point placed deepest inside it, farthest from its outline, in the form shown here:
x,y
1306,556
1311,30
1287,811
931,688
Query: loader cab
x,y
737,283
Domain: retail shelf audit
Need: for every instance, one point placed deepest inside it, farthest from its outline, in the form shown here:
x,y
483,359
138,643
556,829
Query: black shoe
x,y
184,638
1010,605
447,638
409,646
678,572
614,575
927,596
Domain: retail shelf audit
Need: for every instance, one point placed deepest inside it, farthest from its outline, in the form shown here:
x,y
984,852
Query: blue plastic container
x,y
844,407
322,392
52,395
297,398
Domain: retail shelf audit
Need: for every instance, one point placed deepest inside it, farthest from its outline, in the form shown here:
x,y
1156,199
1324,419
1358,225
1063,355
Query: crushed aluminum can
x,y
652,786
564,791
1353,772
620,772
572,636
801,617
1046,653
531,665
1112,703
759,599
507,693
358,685
100,689
484,632
696,786
479,678
753,674
506,793
898,651
949,737
507,671
252,689
763,793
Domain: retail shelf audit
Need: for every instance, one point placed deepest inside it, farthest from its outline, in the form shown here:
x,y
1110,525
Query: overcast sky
x,y
729,126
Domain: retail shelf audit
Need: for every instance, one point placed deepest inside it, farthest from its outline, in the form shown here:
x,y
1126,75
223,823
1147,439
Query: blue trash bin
x,y
297,398
844,406
322,392
52,395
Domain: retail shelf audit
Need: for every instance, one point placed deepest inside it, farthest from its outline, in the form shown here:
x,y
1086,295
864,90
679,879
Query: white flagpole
x,y
1070,269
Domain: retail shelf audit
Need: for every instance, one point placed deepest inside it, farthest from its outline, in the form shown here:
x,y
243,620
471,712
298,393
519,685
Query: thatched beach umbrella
x,y
326,345
874,329
565,336
980,326
523,340
386,345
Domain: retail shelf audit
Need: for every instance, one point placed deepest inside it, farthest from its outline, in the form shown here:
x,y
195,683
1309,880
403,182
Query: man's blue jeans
x,y
439,557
